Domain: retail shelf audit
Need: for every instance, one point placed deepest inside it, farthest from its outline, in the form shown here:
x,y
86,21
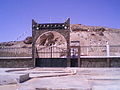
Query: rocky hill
x,y
95,35
87,35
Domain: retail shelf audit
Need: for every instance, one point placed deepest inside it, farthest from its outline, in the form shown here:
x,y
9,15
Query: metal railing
x,y
106,50
15,52
114,50
51,52
93,51
56,52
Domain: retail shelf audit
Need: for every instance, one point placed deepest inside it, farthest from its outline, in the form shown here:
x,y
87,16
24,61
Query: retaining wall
x,y
84,62
59,62
16,62
100,62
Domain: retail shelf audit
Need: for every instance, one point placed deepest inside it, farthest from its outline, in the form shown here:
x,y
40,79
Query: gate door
x,y
75,54
51,56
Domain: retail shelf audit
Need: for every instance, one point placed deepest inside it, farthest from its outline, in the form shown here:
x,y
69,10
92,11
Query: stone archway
x,y
46,35
51,40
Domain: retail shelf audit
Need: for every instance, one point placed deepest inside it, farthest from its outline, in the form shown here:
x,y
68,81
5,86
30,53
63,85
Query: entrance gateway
x,y
51,44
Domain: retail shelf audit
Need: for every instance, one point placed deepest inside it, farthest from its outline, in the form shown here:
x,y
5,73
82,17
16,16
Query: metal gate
x,y
51,52
51,56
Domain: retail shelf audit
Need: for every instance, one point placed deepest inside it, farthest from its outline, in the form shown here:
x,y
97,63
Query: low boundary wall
x,y
16,62
100,62
85,61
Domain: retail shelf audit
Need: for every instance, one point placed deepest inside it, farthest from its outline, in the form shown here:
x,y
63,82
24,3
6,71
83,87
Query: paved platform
x,y
9,78
68,79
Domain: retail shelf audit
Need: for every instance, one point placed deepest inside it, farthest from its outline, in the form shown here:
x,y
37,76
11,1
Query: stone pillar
x,y
79,62
108,49
108,54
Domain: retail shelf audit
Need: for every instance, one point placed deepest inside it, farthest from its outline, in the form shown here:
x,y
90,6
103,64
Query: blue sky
x,y
16,15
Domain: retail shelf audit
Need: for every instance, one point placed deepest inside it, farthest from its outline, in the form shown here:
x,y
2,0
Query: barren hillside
x,y
87,35
94,35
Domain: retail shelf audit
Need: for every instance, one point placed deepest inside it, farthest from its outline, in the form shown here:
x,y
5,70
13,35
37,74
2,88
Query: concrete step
x,y
7,78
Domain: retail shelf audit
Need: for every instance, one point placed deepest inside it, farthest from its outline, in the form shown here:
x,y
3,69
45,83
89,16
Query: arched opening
x,y
51,44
